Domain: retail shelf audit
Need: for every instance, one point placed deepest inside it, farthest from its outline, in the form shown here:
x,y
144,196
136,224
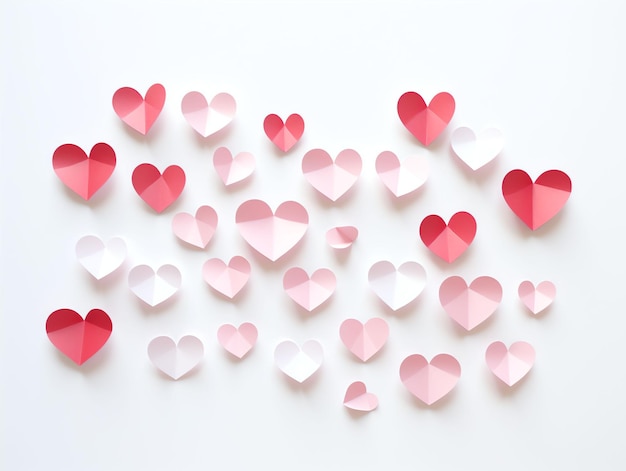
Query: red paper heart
x,y
139,113
425,122
451,240
286,135
159,191
81,173
77,338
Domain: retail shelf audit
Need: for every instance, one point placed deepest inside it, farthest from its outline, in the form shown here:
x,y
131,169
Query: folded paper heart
x,y
156,189
309,292
237,341
357,398
175,360
469,306
284,135
537,299
429,382
536,203
231,169
331,179
364,340
272,234
425,122
139,113
341,237
83,174
79,339
476,151
510,364
196,230
448,241
208,118
98,258
397,287
154,287
299,363
402,178
227,279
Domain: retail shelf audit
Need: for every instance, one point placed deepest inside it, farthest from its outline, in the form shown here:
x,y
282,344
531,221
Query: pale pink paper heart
x,y
357,398
476,151
397,287
227,279
175,360
98,258
208,118
152,287
331,178
402,178
299,363
309,292
470,305
430,381
539,298
341,237
196,230
237,341
231,169
510,364
364,340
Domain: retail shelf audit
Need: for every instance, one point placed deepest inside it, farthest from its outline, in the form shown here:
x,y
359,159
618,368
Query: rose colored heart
x,y
156,189
448,241
137,112
283,135
425,122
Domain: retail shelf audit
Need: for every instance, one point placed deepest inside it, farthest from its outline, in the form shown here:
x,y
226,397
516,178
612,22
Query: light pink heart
x,y
429,382
364,340
175,359
357,398
470,305
237,341
227,279
309,292
402,178
196,230
510,364
208,118
332,178
537,299
341,237
233,169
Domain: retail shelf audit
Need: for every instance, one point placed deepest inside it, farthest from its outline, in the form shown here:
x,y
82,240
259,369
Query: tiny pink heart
x,y
237,341
341,237
510,364
357,398
331,178
208,118
470,305
233,169
196,230
227,279
309,292
537,299
429,382
402,178
364,340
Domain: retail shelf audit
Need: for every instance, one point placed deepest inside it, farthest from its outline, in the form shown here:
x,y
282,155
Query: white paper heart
x,y
402,178
299,363
98,258
476,151
154,288
208,118
397,288
173,359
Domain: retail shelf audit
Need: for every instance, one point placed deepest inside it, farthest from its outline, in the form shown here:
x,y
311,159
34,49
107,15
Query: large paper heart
x,y
402,178
154,287
78,339
397,288
429,382
272,234
83,174
476,151
341,237
470,305
208,118
196,230
139,113
536,203
237,341
98,258
425,122
510,364
299,363
357,398
537,299
231,169
364,340
159,191
175,360
448,241
284,135
332,179
309,292
227,279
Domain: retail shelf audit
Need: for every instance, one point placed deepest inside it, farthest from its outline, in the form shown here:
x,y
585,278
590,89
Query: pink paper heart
x,y
332,179
284,135
237,341
539,298
208,118
233,169
448,241
227,279
470,305
510,364
429,382
425,122
341,237
139,113
156,189
364,340
357,398
197,231
309,292
402,178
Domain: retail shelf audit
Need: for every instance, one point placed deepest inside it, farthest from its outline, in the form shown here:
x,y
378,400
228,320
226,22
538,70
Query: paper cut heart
x,y
272,234
364,340
357,398
78,339
139,113
159,191
536,203
233,169
512,364
539,298
397,288
208,118
341,237
175,360
425,122
237,341
154,288
470,305
451,240
284,135
83,174
332,179
309,292
299,363
429,382
476,151
226,279
197,231
401,178
98,258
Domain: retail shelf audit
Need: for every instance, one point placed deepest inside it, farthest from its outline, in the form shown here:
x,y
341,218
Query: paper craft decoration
x,y
309,293
208,118
448,241
196,230
397,288
156,189
402,178
76,338
510,364
237,341
98,258
364,340
341,237
537,299
154,287
231,169
425,122
227,279
83,174
476,151
139,113
175,360
357,398
272,234
299,363
331,179
536,203
429,382
284,135
469,306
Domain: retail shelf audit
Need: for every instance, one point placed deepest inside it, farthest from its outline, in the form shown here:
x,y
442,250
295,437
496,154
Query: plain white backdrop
x,y
549,74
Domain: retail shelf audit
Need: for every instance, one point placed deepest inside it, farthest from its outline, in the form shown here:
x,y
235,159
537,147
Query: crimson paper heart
x,y
425,122
139,113
284,135
156,189
448,241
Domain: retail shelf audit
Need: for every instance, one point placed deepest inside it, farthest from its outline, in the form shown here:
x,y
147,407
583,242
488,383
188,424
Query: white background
x,y
549,74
